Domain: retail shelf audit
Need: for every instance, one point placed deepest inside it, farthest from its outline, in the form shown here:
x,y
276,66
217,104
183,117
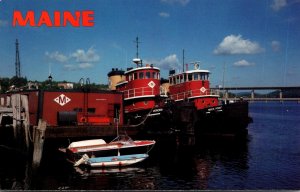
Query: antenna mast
x,y
137,46
137,60
17,64
182,60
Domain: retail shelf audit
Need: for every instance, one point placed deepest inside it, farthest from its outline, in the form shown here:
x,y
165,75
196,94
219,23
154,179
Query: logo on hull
x,y
151,84
62,100
202,89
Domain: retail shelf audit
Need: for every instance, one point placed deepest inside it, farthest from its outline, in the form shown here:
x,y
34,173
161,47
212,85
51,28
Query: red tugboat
x,y
192,85
198,109
141,90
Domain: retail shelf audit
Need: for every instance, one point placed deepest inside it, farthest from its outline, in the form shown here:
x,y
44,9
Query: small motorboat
x,y
121,146
111,161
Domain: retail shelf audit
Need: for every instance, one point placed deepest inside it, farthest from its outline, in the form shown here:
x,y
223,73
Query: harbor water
x,y
268,159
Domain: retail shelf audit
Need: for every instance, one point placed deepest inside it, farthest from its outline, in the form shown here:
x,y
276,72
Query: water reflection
x,y
195,167
86,171
14,170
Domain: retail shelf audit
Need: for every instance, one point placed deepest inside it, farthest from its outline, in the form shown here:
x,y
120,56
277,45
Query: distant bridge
x,y
252,89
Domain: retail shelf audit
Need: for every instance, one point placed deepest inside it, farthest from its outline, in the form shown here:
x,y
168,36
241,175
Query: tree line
x,y
21,83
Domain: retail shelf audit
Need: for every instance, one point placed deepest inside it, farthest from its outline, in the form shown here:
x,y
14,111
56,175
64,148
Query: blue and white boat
x,y
111,161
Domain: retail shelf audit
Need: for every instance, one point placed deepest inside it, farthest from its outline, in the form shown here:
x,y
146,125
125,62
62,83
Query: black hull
x,y
182,118
157,121
228,120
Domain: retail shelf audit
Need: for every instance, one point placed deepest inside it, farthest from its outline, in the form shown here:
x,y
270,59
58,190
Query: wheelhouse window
x,y
196,76
177,79
141,75
190,77
134,76
148,75
185,78
130,77
154,74
204,76
181,79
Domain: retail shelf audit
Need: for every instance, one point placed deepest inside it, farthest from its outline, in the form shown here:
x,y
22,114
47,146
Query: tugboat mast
x,y
182,60
137,60
137,46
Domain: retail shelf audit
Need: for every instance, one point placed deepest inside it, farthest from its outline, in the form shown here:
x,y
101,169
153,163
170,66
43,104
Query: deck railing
x,y
138,92
193,93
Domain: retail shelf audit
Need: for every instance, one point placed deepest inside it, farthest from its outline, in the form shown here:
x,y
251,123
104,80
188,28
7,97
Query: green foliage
x,y
6,83
18,81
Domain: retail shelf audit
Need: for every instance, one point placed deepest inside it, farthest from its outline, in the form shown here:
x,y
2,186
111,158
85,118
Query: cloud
x,y
3,23
70,67
232,45
275,46
57,56
85,65
181,2
81,59
75,67
164,14
243,63
278,4
85,57
169,62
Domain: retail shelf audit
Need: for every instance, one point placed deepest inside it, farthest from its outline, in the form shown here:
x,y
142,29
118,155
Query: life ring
x,y
83,119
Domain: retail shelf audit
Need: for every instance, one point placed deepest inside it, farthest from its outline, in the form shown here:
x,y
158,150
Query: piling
x,y
25,119
16,106
38,142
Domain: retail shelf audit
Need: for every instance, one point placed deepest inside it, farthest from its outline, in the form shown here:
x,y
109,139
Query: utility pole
x,y
17,64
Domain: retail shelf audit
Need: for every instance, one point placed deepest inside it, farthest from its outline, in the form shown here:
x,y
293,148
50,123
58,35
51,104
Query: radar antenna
x,y
196,64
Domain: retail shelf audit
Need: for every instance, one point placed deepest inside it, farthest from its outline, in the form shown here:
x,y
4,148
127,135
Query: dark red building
x,y
71,107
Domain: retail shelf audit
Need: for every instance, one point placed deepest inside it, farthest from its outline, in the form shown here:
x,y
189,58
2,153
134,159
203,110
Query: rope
x,y
30,137
142,122
150,149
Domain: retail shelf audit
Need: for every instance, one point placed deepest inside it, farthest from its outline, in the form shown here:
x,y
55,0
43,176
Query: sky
x,y
244,42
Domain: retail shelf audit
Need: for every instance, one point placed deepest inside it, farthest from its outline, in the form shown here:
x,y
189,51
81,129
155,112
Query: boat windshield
x,y
122,139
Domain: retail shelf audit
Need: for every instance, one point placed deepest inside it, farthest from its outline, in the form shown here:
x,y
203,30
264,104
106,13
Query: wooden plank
x,y
6,110
39,138
25,118
16,106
